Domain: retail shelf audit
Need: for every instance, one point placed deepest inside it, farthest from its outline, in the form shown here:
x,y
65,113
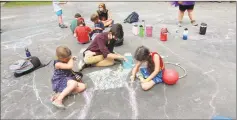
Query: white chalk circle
x,y
19,44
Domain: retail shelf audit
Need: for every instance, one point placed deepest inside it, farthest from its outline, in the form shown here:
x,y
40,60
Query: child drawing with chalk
x,y
64,80
152,74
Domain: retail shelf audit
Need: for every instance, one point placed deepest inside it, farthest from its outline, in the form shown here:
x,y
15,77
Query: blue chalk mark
x,y
220,118
129,64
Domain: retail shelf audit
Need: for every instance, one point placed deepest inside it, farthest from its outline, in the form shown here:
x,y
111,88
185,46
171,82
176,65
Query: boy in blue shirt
x,y
98,25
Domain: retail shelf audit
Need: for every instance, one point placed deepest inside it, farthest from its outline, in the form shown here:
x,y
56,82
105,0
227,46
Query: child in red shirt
x,y
82,32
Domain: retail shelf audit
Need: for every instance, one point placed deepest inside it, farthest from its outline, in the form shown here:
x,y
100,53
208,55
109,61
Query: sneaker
x,y
193,22
81,65
180,23
62,26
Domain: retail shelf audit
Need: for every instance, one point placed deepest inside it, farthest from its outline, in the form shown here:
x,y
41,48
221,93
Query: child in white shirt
x,y
59,12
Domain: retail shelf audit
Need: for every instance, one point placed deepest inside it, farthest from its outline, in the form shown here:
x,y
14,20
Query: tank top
x,y
162,65
103,15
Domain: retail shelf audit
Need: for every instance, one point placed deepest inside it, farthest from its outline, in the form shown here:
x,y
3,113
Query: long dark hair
x,y
117,30
142,54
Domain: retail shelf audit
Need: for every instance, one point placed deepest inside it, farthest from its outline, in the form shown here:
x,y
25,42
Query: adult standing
x,y
104,15
183,6
100,52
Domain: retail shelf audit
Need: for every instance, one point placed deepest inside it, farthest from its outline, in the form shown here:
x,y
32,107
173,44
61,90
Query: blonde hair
x,y
103,6
63,52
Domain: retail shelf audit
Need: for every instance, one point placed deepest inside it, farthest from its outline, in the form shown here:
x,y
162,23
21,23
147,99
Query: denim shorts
x,y
157,79
59,13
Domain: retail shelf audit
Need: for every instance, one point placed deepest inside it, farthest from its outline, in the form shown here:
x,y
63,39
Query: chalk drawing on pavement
x,y
108,79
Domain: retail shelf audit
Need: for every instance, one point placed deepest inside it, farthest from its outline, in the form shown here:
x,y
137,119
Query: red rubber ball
x,y
170,76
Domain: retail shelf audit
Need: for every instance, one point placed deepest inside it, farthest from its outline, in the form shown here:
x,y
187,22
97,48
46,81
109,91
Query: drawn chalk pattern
x,y
108,79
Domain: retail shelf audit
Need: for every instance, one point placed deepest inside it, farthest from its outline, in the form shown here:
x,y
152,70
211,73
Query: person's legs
x,y
89,60
60,19
80,88
107,22
71,85
147,85
104,63
54,97
182,9
93,59
190,14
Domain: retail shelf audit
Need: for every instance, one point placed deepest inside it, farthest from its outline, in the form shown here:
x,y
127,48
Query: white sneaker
x,y
81,64
180,24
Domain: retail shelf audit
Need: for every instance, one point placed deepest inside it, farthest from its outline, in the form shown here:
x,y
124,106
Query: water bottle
x,y
135,29
185,34
27,52
163,34
203,29
148,30
141,31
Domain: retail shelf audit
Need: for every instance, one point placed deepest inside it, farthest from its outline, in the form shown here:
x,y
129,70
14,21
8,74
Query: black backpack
x,y
25,66
133,17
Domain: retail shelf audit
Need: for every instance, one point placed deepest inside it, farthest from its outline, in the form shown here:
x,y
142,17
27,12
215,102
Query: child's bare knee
x,y
83,86
144,87
72,83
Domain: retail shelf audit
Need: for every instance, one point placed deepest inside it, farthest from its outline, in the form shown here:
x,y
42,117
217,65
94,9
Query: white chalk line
x,y
88,98
209,71
107,112
132,101
213,97
37,94
8,17
166,103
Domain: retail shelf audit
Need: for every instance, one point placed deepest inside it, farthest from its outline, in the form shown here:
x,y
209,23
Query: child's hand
x,y
145,80
74,57
125,59
132,78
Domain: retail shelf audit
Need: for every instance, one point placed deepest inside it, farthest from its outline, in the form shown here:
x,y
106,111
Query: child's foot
x,y
54,97
58,104
62,26
193,22
82,65
140,77
180,23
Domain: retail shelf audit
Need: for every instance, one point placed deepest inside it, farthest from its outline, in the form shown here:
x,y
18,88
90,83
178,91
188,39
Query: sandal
x,y
61,106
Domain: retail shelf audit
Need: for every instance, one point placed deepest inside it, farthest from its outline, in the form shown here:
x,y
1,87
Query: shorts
x,y
186,7
157,79
59,13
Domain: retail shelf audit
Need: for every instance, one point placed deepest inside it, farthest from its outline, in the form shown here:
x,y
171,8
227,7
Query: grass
x,y
26,3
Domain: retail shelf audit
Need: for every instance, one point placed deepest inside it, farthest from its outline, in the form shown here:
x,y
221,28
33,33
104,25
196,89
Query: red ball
x,y
170,76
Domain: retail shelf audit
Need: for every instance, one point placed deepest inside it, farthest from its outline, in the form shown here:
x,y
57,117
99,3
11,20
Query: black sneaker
x,y
62,26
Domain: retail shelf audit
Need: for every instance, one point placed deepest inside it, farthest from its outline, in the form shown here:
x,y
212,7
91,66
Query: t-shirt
x,y
99,25
73,25
162,66
82,33
101,46
103,15
56,6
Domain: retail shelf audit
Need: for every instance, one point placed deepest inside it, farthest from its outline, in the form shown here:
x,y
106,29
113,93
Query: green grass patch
x,y
26,3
